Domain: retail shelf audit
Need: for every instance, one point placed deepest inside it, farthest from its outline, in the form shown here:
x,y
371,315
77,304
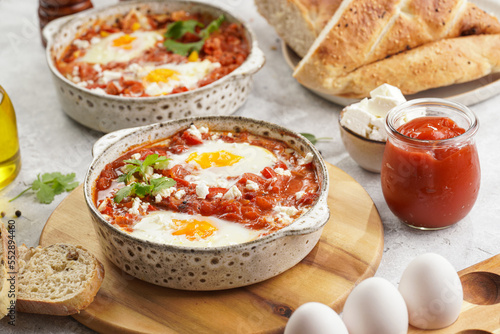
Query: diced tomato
x,y
190,139
268,173
264,203
249,212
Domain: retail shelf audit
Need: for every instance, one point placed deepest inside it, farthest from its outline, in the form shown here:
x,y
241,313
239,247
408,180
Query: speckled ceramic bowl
x,y
366,152
207,268
108,113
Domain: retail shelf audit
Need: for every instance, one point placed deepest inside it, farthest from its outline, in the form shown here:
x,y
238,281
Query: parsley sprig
x,y
48,185
148,186
178,29
312,138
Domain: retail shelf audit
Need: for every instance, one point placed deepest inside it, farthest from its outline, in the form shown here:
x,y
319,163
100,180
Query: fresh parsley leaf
x,y
122,193
312,138
178,29
48,185
147,186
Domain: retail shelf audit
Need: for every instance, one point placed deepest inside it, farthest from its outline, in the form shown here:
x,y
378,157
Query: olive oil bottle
x,y
10,158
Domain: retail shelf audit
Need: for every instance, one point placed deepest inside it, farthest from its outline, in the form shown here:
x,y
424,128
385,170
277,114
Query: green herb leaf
x,y
177,30
312,138
147,186
122,193
48,185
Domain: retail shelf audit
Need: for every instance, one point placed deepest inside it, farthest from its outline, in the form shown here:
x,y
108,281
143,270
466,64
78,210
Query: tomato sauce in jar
x,y
430,171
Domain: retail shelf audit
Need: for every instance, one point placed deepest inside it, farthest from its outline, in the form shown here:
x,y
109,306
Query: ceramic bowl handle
x,y
109,139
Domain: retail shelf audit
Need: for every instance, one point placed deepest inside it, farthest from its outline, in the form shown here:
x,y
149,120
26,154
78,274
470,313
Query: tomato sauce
x,y
432,184
227,46
254,208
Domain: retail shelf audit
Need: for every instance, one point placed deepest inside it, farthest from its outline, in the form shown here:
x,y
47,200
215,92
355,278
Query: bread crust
x,y
298,22
369,31
442,63
64,306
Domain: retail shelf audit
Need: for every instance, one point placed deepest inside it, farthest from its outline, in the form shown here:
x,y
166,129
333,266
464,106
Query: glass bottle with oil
x,y
10,158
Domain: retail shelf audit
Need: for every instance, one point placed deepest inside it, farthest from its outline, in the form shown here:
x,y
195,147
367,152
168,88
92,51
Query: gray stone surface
x,y
50,141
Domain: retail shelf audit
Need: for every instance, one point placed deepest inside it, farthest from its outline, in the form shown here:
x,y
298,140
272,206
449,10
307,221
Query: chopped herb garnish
x,y
312,138
177,30
148,185
48,185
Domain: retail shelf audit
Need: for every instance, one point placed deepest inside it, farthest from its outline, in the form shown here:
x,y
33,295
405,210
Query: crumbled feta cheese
x,y
108,76
149,172
99,91
250,185
229,134
203,129
82,84
307,159
202,190
103,205
193,130
166,192
232,193
97,68
76,79
215,136
299,194
134,67
136,156
366,117
281,171
81,44
156,176
180,194
158,198
218,195
135,206
284,214
95,40
75,70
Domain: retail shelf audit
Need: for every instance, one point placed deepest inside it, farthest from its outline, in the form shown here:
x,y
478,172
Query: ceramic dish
x,y
467,93
207,268
108,113
366,152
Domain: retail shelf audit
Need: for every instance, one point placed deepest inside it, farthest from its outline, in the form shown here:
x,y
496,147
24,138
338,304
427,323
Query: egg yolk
x,y
124,42
194,229
161,75
214,159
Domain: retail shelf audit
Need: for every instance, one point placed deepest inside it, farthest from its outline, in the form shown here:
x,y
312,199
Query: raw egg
x,y
432,291
315,318
375,306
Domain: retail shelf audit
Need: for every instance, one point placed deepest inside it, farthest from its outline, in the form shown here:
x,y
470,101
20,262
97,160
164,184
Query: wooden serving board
x,y
480,312
349,250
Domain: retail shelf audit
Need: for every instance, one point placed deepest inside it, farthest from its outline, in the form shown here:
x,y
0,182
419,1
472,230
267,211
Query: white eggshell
x,y
315,318
432,291
375,306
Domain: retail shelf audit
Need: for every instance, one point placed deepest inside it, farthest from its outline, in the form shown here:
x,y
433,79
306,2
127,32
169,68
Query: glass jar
x,y
430,183
10,159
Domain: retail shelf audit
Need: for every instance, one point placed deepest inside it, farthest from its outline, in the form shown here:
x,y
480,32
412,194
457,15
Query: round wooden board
x,y
350,250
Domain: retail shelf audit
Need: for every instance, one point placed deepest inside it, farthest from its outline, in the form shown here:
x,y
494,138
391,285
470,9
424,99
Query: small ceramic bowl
x,y
207,268
366,152
108,113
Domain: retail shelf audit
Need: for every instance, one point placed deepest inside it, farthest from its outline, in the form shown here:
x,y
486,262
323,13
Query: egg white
x,y
253,160
104,51
187,75
158,227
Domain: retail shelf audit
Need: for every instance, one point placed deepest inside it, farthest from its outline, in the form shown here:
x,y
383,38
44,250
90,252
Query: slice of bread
x,y
298,22
59,279
8,270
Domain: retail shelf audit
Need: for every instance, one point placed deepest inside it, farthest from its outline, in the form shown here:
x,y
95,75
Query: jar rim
x,y
429,102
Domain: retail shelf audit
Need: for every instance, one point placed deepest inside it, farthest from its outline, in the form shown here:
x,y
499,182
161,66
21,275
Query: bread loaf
x,y
58,279
442,63
363,32
298,22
